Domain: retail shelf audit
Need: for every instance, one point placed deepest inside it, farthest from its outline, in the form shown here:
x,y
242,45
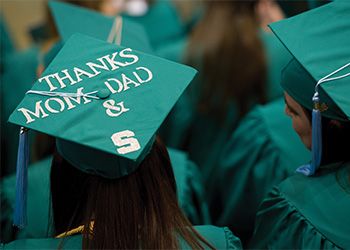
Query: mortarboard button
x,y
103,93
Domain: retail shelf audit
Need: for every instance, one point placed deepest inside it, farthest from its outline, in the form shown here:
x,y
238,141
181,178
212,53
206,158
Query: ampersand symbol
x,y
113,109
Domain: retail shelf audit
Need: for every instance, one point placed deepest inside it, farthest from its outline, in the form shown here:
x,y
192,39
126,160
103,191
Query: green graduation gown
x,y
202,136
221,238
174,51
6,42
262,152
18,77
188,181
307,212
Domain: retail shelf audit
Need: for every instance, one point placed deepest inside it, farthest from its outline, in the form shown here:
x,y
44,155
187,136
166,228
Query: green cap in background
x,y
319,42
104,103
161,22
72,19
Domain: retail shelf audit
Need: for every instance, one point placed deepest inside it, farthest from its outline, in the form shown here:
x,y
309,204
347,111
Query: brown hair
x,y
335,139
136,211
226,47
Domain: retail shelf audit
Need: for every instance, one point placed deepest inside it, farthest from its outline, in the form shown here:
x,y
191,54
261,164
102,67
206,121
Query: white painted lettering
x,y
66,76
79,72
149,75
39,111
46,78
113,109
93,66
127,81
125,142
108,85
69,99
50,108
126,55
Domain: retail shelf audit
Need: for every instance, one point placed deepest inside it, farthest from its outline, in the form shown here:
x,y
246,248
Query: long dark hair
x,y
227,49
137,211
335,139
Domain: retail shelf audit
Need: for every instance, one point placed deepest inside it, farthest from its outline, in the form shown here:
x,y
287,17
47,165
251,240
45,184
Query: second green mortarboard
x,y
318,50
318,76
72,19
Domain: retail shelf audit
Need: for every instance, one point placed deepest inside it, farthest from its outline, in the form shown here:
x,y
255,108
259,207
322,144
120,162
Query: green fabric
x,y
38,202
277,58
161,22
93,126
174,51
18,77
174,129
318,51
6,44
263,151
72,19
201,136
301,86
206,139
52,53
189,189
307,213
221,238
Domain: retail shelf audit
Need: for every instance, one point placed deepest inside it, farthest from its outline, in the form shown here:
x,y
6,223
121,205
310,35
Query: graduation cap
x,y
318,76
72,19
161,22
103,102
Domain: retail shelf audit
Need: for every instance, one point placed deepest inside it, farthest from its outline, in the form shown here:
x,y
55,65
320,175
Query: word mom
x,y
118,84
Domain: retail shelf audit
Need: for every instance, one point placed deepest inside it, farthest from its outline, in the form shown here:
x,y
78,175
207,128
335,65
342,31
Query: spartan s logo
x,y
126,142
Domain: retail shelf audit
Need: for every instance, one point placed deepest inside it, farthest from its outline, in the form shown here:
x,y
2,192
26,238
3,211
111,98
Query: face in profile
x,y
300,120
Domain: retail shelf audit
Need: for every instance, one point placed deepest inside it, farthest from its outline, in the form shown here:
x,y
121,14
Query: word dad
x,y
65,77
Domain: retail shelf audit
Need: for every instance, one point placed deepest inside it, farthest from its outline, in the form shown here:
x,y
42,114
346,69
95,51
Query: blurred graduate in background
x,y
228,48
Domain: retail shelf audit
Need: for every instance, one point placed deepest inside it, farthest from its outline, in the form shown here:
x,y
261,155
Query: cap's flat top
x,y
138,91
320,40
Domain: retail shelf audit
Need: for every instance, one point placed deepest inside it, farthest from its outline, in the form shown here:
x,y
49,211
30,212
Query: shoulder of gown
x,y
262,152
190,187
306,212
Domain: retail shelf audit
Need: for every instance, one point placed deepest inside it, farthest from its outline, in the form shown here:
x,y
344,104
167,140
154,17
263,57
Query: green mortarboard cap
x,y
318,51
161,22
103,103
72,19
51,53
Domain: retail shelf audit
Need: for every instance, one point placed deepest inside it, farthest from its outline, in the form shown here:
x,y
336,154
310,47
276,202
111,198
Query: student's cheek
x,y
302,130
